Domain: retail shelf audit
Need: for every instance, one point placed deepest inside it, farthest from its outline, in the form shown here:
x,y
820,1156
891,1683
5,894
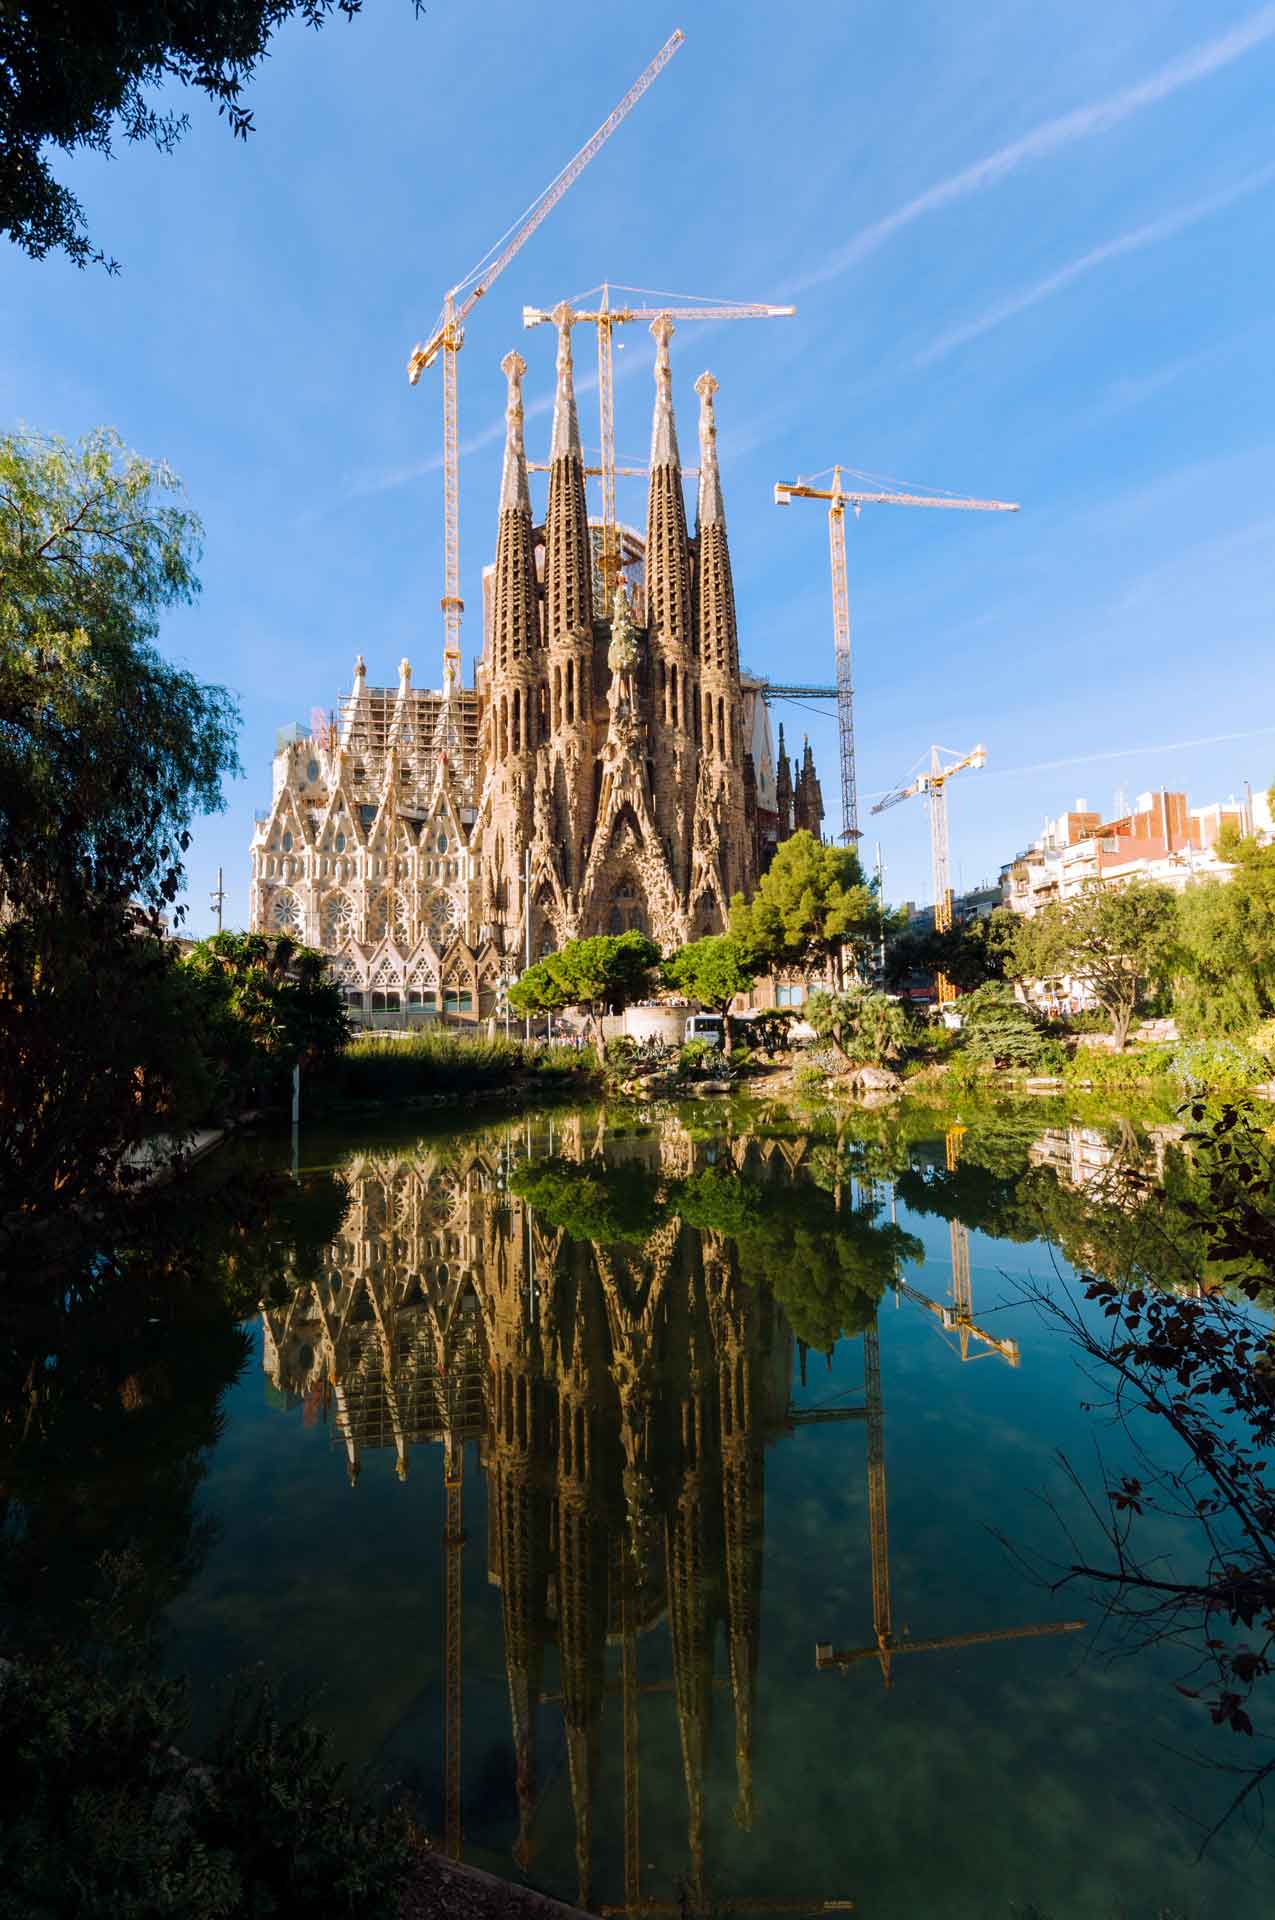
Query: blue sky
x,y
1031,251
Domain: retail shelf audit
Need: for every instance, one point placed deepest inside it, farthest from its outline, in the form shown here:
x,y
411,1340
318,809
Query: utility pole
x,y
217,899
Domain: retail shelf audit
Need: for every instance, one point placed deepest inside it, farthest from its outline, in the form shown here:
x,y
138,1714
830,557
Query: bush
x,y
1117,1072
620,1051
1219,1066
997,1030
106,1815
701,1058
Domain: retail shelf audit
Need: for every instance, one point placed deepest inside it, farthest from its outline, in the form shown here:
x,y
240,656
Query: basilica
x,y
611,768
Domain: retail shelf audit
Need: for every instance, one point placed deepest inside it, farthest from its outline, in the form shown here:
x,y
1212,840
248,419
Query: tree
x,y
712,971
606,973
998,1030
269,1006
968,954
866,1028
1117,940
811,903
107,752
1224,965
75,77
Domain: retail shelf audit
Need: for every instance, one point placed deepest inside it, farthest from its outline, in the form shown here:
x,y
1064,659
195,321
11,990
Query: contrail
x,y
1164,228
1051,136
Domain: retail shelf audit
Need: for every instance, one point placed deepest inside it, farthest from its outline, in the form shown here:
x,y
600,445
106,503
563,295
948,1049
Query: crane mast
x,y
449,335
932,782
606,318
839,498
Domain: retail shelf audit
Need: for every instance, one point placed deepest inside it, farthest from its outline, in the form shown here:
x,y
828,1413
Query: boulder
x,y
874,1079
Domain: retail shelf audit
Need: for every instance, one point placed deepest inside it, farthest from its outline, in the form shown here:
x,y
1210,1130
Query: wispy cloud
x,y
1169,225
1083,123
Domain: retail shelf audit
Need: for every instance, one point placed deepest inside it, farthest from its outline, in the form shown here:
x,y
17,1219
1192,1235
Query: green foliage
x,y
702,1057
711,971
1224,964
105,1815
268,1005
1118,940
811,902
378,1067
107,752
1219,1065
1119,1072
608,972
866,1028
997,1030
607,1205
79,89
968,954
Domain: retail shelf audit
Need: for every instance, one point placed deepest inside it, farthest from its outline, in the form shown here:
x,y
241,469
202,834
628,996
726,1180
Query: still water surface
x,y
693,1430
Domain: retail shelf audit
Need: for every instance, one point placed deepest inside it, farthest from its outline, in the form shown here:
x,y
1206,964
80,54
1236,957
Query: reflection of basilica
x,y
621,1398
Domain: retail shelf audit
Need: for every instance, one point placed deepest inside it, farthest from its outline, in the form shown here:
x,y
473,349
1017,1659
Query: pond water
x,y
549,1469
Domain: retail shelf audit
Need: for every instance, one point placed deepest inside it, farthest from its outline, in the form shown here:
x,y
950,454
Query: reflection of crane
x,y
606,318
933,782
886,1646
449,333
453,1541
959,1317
839,498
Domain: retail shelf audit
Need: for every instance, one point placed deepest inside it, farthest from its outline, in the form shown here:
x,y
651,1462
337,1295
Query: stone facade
x,y
601,775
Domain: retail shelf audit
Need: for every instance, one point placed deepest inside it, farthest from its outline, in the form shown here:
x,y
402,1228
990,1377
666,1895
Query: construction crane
x,y
453,1541
828,1657
448,335
933,783
606,318
839,498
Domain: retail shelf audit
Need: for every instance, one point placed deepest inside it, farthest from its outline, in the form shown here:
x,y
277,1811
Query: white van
x,y
705,1026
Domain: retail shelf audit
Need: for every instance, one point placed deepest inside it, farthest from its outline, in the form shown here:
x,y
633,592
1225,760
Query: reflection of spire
x,y
689,1552
743,1495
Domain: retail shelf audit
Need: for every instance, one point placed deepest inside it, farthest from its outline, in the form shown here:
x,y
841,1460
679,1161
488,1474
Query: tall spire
x,y
664,451
566,424
515,494
668,582
716,631
711,511
515,627
568,556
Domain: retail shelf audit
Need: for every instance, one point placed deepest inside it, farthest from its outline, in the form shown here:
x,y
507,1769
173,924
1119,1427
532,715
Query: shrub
x,y
997,1030
620,1051
1116,1072
701,1057
1219,1066
378,1067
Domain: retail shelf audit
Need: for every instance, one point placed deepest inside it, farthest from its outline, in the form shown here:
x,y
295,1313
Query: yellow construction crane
x,y
606,318
449,333
959,1317
932,782
839,498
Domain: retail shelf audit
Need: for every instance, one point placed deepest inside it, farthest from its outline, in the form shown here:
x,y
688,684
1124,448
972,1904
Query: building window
x,y
441,843
790,996
339,843
287,843
312,771
457,1001
420,997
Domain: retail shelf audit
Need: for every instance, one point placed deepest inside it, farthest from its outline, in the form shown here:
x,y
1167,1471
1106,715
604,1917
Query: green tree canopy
x,y
712,971
268,1005
1224,965
811,902
1118,940
968,954
606,973
74,78
107,752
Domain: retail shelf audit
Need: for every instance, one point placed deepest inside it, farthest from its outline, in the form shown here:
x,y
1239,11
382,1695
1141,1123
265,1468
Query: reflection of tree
x,y
112,1368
